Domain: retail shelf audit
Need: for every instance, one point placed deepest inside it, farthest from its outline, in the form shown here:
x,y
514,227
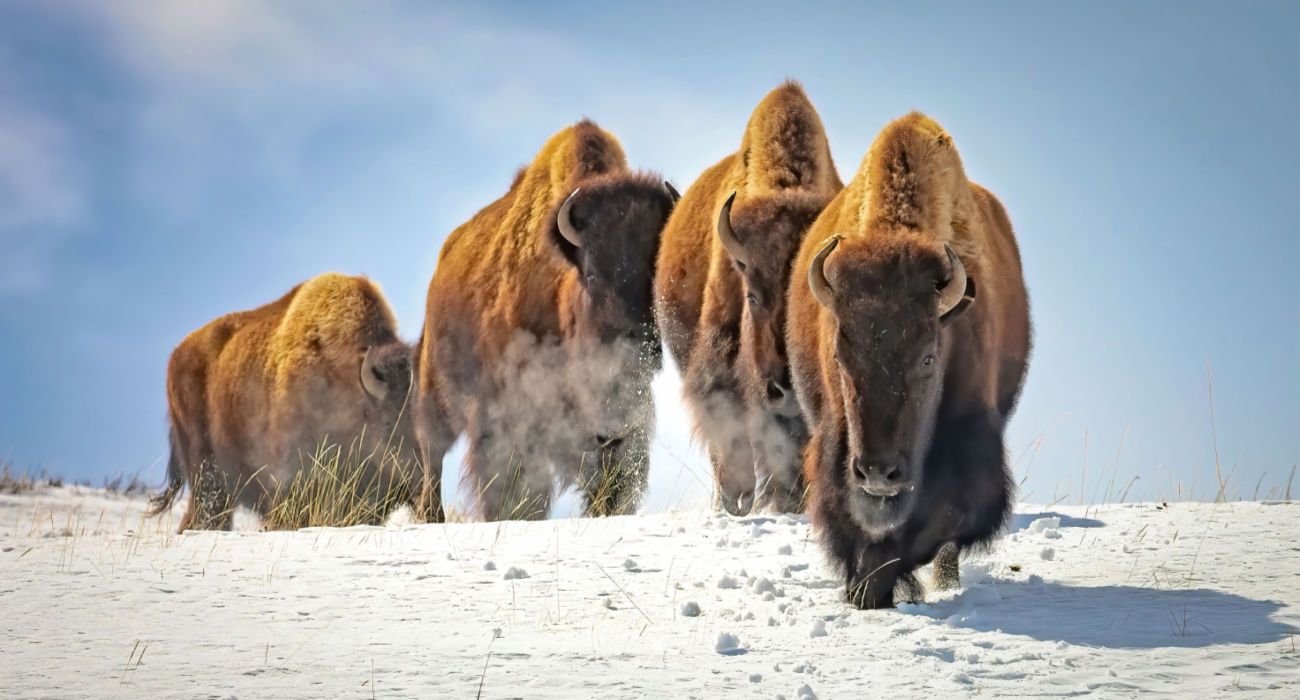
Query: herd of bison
x,y
853,351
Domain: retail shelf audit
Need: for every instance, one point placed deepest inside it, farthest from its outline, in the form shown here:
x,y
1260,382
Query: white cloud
x,y
36,175
41,195
248,87
278,69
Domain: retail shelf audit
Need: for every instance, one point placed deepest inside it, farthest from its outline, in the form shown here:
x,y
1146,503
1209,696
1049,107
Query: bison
x,y
539,343
255,395
724,265
909,339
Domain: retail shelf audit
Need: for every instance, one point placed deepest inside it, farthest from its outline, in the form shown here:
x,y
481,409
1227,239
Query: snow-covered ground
x,y
95,601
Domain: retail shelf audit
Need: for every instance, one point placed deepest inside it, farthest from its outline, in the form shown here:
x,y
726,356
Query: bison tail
x,y
175,480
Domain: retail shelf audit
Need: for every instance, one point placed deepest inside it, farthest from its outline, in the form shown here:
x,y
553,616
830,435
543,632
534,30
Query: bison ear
x,y
372,377
967,299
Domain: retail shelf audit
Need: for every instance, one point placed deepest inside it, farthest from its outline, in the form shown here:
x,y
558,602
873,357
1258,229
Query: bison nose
x,y
880,477
859,469
776,392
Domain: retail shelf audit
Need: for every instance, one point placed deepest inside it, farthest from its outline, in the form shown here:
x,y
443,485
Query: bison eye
x,y
929,360
753,299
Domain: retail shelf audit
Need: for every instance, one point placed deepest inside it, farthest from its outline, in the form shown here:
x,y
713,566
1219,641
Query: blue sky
x,y
163,163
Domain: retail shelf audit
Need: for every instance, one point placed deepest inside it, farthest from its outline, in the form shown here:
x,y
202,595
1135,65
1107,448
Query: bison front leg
x,y
969,489
932,542
435,436
878,572
614,479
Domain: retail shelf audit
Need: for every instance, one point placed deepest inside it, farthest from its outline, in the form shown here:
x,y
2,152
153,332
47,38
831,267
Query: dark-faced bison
x,y
723,269
909,339
539,342
253,396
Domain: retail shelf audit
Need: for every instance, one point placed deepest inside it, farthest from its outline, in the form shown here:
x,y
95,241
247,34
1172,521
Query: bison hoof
x,y
947,571
864,597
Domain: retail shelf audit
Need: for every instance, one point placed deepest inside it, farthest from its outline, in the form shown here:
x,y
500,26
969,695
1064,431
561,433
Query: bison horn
x,y
821,288
672,192
728,235
566,224
370,378
955,291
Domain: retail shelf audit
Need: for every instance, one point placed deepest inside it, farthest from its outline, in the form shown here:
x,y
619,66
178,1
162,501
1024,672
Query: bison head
x,y
386,379
761,238
608,230
890,301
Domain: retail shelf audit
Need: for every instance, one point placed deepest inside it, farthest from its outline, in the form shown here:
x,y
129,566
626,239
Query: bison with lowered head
x,y
253,396
539,342
724,266
909,340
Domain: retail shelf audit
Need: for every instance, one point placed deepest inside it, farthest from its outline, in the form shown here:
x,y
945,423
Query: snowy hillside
x,y
1193,599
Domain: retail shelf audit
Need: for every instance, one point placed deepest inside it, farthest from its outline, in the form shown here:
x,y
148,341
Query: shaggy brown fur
x,y
723,317
908,409
541,351
252,395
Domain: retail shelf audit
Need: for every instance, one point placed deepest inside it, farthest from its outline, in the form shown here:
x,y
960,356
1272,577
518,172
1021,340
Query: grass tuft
x,y
14,483
339,487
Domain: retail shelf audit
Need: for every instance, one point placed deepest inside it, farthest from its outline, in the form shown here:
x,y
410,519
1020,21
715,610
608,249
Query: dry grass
x,y
120,484
14,483
614,489
1161,488
338,487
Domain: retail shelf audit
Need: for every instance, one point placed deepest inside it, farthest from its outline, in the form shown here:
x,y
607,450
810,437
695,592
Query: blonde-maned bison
x,y
909,338
253,395
724,267
539,342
